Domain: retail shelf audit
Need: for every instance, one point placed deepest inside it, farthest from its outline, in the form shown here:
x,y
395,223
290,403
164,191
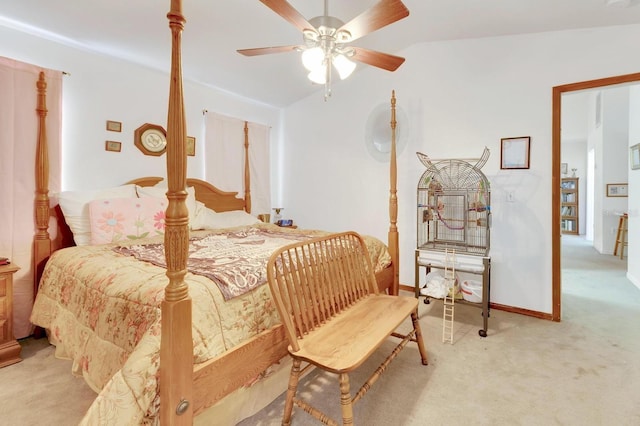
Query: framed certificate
x,y
514,152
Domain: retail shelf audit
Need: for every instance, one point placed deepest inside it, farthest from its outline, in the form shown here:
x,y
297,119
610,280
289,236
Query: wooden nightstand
x,y
9,347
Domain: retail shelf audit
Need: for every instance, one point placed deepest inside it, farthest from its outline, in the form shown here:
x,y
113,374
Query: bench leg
x,y
419,341
291,392
345,400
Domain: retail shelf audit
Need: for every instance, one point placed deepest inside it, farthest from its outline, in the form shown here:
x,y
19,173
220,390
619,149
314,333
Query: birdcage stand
x,y
471,264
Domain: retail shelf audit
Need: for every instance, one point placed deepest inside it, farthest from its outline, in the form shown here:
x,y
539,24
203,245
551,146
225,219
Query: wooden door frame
x,y
556,314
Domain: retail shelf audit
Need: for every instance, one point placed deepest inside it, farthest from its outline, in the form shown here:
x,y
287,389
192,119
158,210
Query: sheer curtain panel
x,y
18,140
224,158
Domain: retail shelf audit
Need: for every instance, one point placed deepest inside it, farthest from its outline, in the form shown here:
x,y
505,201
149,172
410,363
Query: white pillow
x,y
159,191
198,217
209,219
75,207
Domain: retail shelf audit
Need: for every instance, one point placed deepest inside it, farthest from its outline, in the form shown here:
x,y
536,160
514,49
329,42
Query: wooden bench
x,y
334,316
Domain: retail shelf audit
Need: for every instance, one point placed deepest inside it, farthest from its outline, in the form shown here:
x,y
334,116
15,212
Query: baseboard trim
x,y
410,289
499,307
522,311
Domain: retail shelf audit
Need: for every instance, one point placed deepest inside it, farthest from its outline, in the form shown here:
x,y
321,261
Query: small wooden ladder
x,y
449,298
447,319
621,236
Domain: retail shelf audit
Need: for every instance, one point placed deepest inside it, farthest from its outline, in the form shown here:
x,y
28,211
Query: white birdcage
x,y
454,206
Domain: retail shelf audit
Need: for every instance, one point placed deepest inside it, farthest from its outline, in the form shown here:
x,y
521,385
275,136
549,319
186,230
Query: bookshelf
x,y
569,206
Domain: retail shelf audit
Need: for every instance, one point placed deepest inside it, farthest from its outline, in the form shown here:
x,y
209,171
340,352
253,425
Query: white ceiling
x,y
137,30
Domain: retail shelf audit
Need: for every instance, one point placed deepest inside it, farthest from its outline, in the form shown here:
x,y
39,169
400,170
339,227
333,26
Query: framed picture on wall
x,y
114,126
113,146
514,152
634,152
191,146
564,168
617,190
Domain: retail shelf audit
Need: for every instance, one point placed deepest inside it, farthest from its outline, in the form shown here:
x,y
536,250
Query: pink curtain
x,y
18,138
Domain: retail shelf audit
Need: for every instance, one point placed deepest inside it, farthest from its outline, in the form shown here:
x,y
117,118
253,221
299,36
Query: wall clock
x,y
151,139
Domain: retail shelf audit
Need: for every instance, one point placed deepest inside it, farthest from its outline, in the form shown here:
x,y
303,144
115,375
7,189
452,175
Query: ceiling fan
x,y
326,39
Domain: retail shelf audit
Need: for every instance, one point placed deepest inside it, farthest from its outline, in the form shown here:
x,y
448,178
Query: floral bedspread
x,y
235,261
102,311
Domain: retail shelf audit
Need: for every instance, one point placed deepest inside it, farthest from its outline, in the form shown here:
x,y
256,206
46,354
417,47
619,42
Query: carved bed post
x,y
42,240
247,173
176,349
393,202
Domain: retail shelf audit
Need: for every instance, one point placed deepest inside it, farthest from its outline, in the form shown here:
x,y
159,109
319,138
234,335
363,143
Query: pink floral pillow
x,y
125,219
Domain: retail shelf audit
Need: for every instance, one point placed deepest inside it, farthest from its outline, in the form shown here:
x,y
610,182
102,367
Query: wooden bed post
x,y
247,173
42,240
393,202
176,348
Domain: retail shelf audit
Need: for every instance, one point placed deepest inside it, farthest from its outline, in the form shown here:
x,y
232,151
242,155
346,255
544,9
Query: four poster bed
x,y
200,344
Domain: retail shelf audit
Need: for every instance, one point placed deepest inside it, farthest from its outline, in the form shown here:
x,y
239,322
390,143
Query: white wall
x,y
460,96
633,267
575,113
573,148
595,142
101,88
615,148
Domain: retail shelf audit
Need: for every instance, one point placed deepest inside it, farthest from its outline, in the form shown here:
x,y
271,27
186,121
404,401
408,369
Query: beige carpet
x,y
584,370
41,390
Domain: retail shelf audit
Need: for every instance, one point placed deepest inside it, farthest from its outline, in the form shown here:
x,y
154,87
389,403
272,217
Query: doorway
x,y
557,92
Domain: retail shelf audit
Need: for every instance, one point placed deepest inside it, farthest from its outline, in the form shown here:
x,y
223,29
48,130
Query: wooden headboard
x,y
212,197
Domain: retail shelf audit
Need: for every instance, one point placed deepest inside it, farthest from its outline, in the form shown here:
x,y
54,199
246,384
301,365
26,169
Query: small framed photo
x,y
564,168
634,152
114,126
617,190
514,152
191,146
113,146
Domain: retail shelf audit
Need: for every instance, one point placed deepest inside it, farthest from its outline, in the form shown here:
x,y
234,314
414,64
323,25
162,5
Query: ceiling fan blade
x,y
380,15
377,59
268,50
288,12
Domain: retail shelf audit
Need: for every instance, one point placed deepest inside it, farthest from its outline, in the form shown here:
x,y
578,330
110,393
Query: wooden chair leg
x,y
294,377
419,341
345,400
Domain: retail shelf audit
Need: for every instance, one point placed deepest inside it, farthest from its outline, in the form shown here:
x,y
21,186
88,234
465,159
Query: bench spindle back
x,y
316,279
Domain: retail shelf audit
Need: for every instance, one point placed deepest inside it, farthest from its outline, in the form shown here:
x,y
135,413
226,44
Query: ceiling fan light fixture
x,y
310,36
313,58
326,39
342,36
343,65
318,75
